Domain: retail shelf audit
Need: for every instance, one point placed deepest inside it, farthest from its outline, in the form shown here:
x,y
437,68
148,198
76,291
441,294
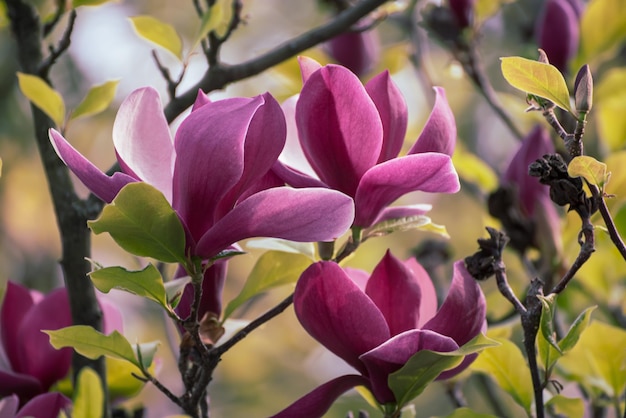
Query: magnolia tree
x,y
527,322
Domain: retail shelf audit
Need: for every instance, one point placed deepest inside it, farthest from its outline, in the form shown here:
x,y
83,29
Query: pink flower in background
x,y
216,172
463,11
351,136
32,364
358,51
378,326
47,405
558,31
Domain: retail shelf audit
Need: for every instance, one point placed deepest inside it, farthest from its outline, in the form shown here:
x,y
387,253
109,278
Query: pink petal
x,y
428,304
317,402
439,133
212,286
394,353
462,315
111,316
142,139
103,186
339,127
304,215
386,182
8,406
294,177
396,292
307,67
48,405
359,50
201,99
17,302
37,357
393,113
210,153
358,276
22,385
332,308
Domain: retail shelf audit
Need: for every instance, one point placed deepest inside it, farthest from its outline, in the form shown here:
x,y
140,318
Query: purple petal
x,y
48,405
142,139
8,406
462,315
317,402
396,292
393,113
358,276
294,177
339,127
394,353
332,308
17,302
22,385
210,146
292,154
37,357
386,182
212,286
307,67
359,51
463,11
303,215
439,133
397,212
103,186
428,303
201,99
558,32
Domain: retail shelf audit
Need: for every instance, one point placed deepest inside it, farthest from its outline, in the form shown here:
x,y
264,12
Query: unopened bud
x,y
558,32
463,11
583,90
358,51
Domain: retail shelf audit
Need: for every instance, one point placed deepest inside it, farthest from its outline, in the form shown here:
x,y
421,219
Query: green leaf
x,y
143,223
408,223
93,344
575,330
78,3
590,169
507,366
424,367
602,29
89,396
146,283
534,77
467,413
547,320
277,244
547,353
213,19
610,94
160,33
174,290
120,379
48,100
272,269
4,21
97,100
474,170
566,407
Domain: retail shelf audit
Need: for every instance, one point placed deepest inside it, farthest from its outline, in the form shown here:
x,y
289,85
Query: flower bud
x,y
583,90
558,32
463,10
358,51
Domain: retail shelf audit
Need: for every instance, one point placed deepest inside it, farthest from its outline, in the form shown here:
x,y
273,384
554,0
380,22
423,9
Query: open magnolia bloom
x,y
351,136
215,173
378,326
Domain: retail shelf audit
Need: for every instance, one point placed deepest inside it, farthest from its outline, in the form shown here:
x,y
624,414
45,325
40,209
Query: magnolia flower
x,y
378,326
351,136
215,173
463,11
558,31
47,405
32,364
358,50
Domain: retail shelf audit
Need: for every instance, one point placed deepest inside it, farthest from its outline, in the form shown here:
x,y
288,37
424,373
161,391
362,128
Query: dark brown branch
x,y
63,45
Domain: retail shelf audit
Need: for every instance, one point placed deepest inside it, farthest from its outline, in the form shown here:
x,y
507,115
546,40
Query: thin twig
x,y
147,377
63,45
587,241
49,26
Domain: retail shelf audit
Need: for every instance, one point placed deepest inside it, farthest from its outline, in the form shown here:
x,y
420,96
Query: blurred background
x,y
279,362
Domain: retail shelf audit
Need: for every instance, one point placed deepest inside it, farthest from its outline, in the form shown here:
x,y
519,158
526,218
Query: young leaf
x,y
590,169
389,226
272,269
159,33
567,407
97,100
93,344
547,320
89,395
174,290
474,170
48,100
277,244
506,365
573,334
143,223
145,353
146,283
547,353
120,379
534,77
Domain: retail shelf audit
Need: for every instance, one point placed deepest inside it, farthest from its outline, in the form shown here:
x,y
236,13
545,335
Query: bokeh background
x,y
279,362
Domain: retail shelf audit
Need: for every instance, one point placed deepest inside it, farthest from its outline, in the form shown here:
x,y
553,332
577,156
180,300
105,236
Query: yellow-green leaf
x,y
89,395
610,93
98,98
43,96
602,28
212,18
78,3
3,15
467,413
590,169
159,33
537,78
474,170
567,407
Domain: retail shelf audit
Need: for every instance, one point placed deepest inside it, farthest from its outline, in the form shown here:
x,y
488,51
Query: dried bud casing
x,y
583,90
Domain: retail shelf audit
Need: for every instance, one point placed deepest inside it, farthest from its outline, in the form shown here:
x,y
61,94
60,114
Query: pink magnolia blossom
x,y
351,136
32,364
358,50
376,329
47,405
558,31
215,173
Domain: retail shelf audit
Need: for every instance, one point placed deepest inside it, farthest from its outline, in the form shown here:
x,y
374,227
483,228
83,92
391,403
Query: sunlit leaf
x,y
467,413
120,379
590,169
159,33
507,366
214,18
89,396
272,269
534,77
567,407
610,93
48,100
93,344
484,9
474,170
424,367
602,28
420,222
547,320
277,244
146,283
143,223
97,100
578,326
